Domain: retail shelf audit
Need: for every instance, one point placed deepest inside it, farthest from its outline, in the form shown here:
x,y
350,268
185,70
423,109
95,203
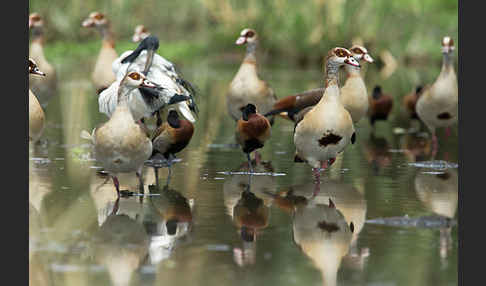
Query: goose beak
x,y
368,58
240,41
178,98
352,61
38,72
88,23
148,84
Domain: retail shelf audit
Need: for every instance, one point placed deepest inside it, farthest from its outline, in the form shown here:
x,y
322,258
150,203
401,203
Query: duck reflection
x,y
377,152
347,199
168,221
322,233
416,147
438,191
247,202
121,245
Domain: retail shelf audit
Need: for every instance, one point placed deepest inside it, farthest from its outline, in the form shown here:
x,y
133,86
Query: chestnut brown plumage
x,y
410,100
293,104
252,130
172,137
380,105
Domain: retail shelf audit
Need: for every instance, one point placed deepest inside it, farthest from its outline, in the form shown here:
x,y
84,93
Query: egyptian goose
x,y
120,144
36,114
252,130
246,87
381,105
437,106
103,75
327,128
410,101
44,88
172,137
160,71
353,94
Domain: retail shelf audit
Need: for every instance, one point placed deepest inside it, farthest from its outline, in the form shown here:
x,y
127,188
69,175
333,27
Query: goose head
x,y
361,53
33,69
247,36
341,56
447,45
95,19
35,21
140,33
136,79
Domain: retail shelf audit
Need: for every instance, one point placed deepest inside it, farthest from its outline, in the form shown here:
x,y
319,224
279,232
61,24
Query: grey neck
x,y
352,69
251,51
123,91
37,33
446,61
332,77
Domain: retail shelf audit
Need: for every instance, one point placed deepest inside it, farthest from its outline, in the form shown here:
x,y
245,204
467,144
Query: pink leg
x,y
117,185
324,165
435,145
448,131
258,158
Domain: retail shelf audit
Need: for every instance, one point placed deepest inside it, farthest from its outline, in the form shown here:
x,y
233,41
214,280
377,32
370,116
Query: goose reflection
x,y
347,199
121,245
322,233
247,202
438,191
168,221
416,147
106,201
377,152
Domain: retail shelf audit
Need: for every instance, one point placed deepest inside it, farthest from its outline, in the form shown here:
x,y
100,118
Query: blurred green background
x,y
291,32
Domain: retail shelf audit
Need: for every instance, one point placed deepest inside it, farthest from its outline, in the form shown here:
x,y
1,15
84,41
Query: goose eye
x,y
98,16
358,51
340,53
134,76
250,34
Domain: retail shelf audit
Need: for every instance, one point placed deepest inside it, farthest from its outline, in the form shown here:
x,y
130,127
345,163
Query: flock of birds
x,y
140,84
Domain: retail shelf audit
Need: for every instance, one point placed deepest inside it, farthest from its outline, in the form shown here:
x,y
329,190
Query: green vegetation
x,y
292,31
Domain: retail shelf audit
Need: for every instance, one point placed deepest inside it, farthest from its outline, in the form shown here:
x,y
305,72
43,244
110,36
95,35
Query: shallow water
x,y
75,237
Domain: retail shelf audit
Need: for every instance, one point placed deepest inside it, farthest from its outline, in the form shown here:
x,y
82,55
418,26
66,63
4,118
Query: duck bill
x,y
240,41
368,58
148,84
178,98
88,23
352,62
38,72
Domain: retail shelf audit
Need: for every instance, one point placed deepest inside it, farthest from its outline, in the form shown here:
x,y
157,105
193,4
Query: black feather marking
x,y
444,116
297,159
329,227
149,43
329,138
353,138
251,145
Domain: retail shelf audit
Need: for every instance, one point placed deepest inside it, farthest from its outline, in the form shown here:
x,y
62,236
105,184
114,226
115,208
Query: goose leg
x,y
250,167
140,186
258,158
156,172
317,181
117,185
435,145
448,131
159,118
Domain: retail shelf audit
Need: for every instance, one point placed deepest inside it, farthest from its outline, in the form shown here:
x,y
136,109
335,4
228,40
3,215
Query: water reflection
x,y
377,152
324,235
167,220
120,244
416,147
248,202
438,191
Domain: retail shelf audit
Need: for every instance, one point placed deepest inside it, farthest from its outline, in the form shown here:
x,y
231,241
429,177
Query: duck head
x,y
361,53
33,69
95,19
341,56
247,36
447,45
140,33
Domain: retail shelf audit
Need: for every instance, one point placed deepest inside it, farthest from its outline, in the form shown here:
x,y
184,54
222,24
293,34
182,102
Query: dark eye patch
x,y
99,16
35,17
357,51
250,34
340,53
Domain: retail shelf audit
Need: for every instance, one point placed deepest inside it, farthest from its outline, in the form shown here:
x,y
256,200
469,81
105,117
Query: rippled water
x,y
192,232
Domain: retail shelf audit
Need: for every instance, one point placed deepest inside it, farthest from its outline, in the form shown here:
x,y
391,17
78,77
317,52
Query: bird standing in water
x,y
252,130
